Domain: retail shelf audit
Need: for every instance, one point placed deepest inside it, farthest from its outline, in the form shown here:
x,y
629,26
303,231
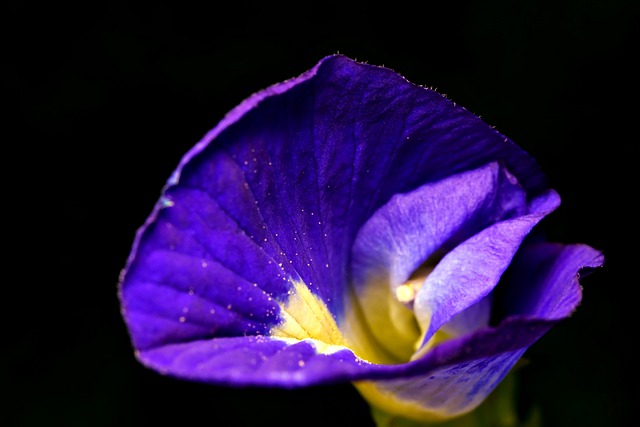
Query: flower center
x,y
382,326
407,292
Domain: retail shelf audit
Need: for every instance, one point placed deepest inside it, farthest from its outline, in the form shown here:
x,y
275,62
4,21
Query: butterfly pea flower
x,y
347,225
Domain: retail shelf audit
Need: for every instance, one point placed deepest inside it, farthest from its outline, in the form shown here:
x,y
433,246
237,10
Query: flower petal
x,y
470,319
253,232
253,361
542,280
457,375
447,391
407,232
471,270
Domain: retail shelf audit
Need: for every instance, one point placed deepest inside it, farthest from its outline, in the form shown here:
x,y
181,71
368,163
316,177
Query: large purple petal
x,y
253,233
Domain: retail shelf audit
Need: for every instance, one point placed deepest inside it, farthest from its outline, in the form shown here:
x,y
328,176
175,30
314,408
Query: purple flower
x,y
348,225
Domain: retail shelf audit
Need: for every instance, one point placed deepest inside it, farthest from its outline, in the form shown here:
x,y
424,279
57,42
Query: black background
x,y
103,99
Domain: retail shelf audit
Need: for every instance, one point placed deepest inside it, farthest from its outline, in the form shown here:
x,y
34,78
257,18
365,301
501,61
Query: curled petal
x,y
471,270
543,281
457,375
414,230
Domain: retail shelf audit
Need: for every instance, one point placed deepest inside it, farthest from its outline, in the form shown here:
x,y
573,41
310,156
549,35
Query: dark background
x,y
103,98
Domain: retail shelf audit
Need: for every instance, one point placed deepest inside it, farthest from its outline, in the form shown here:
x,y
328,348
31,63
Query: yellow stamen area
x,y
379,323
306,317
405,293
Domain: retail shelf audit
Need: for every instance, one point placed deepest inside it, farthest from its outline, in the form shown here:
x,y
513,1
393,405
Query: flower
x,y
347,225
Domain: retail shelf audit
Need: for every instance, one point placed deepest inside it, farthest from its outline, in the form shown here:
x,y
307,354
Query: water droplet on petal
x,y
166,202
